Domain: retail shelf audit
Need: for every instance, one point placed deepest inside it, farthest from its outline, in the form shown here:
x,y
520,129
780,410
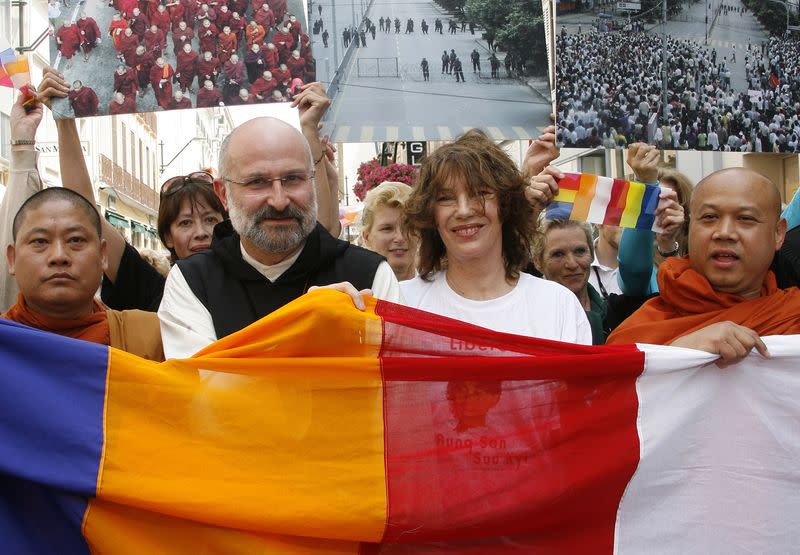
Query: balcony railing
x,y
125,183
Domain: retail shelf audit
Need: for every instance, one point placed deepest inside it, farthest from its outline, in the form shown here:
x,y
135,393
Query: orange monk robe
x,y
688,303
134,331
116,29
255,35
228,44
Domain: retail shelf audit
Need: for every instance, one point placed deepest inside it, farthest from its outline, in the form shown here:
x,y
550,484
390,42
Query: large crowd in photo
x,y
609,88
191,54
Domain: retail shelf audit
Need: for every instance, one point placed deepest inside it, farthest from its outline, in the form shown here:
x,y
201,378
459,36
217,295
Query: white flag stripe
x,y
719,448
602,196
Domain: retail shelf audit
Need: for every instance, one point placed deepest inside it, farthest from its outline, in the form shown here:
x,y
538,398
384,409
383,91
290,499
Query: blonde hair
x,y
393,194
540,239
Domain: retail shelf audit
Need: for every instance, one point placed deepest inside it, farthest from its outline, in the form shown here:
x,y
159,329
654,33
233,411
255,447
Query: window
x,y
5,136
141,173
146,176
114,139
132,169
124,148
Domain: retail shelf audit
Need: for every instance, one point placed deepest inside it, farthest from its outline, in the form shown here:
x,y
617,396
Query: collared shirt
x,y
608,277
187,326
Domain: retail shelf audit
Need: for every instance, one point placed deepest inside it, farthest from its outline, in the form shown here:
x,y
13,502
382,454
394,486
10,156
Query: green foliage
x,y
516,25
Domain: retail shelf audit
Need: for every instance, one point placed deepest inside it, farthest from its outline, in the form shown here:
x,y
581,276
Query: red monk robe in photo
x,y
224,16
181,104
84,102
68,38
208,37
128,106
234,78
127,43
155,41
142,64
256,5
162,20
297,66
161,81
186,68
265,17
90,32
228,44
139,24
190,9
207,69
237,26
284,42
281,76
279,7
177,13
263,87
126,7
182,35
271,56
208,98
126,82
152,9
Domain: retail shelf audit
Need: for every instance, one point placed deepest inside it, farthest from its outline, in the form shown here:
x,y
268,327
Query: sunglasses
x,y
175,184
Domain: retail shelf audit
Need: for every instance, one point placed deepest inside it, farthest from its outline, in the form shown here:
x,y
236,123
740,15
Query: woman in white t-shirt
x,y
475,226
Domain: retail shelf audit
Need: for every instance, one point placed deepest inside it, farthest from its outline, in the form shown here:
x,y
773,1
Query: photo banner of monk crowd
x,y
136,56
732,79
430,69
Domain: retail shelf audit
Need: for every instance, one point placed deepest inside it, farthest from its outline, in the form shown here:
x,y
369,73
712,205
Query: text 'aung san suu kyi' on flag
x,y
325,429
605,200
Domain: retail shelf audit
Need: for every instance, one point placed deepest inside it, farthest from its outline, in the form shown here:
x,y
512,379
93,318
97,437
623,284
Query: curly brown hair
x,y
480,163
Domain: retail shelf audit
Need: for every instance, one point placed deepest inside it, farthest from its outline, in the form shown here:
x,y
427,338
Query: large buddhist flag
x,y
324,429
14,69
604,200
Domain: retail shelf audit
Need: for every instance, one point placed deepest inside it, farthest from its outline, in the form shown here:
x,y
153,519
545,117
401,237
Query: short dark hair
x,y
55,194
480,163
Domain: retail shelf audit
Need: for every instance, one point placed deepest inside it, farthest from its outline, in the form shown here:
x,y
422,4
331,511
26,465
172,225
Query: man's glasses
x,y
262,181
175,184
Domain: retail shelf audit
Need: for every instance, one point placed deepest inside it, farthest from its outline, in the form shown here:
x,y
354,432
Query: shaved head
x,y
735,227
258,125
759,183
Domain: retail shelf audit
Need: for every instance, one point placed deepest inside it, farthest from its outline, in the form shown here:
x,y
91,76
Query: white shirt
x,y
608,277
187,326
534,308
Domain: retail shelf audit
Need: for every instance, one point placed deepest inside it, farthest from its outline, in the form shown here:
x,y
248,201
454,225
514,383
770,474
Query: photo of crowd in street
x,y
682,75
429,70
134,56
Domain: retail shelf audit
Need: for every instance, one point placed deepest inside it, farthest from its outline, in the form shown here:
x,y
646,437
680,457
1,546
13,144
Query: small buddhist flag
x,y
14,69
605,200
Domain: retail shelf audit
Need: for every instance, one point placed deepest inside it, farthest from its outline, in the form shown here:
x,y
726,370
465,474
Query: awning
x,y
117,221
139,228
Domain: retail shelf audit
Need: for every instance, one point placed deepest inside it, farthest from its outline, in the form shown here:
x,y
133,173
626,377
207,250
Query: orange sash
x,y
688,303
92,327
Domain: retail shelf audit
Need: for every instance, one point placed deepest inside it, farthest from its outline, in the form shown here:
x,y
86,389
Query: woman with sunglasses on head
x,y
188,210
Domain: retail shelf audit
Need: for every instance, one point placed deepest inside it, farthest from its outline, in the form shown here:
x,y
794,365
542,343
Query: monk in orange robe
x,y
228,44
255,34
723,296
116,28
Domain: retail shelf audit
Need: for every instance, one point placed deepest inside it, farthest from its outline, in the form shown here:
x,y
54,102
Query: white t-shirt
x,y
535,308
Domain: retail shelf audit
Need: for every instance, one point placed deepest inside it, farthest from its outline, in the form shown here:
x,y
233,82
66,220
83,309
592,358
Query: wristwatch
x,y
667,254
15,142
